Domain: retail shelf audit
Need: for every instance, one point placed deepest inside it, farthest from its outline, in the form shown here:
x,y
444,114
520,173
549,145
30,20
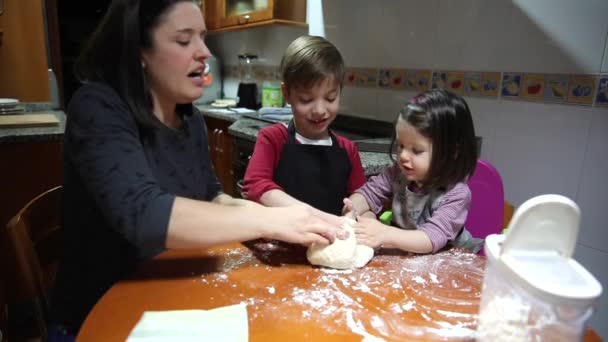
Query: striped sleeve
x,y
448,217
379,188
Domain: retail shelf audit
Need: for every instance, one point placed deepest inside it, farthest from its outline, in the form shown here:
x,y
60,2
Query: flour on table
x,y
341,254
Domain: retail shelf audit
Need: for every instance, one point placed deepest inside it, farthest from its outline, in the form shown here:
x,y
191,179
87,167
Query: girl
x,y
436,153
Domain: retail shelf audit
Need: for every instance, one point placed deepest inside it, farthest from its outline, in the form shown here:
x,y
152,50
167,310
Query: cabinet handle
x,y
213,140
1,7
216,143
245,18
219,141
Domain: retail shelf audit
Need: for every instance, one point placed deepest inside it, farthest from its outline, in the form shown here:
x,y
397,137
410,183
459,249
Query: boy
x,y
304,161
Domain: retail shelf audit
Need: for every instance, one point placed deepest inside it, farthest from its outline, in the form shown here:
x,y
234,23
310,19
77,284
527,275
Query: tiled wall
x,y
538,145
576,89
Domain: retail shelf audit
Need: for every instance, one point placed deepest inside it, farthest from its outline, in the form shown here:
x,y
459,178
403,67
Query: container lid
x,y
537,252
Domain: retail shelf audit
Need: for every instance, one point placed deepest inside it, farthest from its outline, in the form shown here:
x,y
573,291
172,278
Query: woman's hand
x,y
371,232
349,209
304,225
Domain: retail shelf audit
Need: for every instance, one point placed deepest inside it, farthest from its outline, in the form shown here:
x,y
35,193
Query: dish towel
x,y
226,324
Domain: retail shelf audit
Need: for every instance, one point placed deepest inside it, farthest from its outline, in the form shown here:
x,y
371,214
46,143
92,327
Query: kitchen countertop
x,y
248,128
35,133
242,127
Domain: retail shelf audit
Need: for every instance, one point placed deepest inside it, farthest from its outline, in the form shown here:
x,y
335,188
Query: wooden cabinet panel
x,y
221,149
28,169
223,15
23,54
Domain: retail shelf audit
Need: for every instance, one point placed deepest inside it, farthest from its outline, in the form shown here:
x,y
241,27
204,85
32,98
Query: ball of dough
x,y
341,254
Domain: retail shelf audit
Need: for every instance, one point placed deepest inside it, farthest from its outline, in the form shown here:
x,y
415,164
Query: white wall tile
x,y
484,116
594,184
540,148
474,35
359,102
268,42
385,33
595,262
605,63
531,36
389,103
574,28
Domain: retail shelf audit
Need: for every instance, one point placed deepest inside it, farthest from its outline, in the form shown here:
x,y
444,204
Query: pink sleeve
x,y
263,162
357,174
448,218
379,188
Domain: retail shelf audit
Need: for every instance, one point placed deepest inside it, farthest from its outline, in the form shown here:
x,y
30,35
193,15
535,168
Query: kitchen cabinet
x,y
28,169
221,149
222,15
23,53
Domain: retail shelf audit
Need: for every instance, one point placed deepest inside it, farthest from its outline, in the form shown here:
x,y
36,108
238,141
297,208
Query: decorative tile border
x,y
587,90
602,92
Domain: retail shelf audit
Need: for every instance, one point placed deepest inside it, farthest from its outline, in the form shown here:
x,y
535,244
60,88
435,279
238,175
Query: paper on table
x,y
226,324
235,110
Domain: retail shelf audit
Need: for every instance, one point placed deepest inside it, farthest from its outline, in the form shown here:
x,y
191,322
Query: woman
x,y
138,178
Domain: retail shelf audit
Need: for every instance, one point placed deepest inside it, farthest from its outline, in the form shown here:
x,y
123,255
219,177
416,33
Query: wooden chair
x,y
33,239
508,214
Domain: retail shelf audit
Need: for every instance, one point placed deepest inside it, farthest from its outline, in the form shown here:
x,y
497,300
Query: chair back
x,y
485,215
34,244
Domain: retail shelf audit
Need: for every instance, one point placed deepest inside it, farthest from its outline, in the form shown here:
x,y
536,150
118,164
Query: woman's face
x,y
175,62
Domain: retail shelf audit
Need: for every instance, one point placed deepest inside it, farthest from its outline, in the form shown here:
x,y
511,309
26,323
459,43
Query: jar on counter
x,y
271,94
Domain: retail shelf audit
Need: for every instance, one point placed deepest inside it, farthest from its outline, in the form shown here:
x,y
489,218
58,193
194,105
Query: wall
x,y
537,147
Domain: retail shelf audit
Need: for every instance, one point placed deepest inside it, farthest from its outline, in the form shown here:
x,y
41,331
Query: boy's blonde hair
x,y
309,59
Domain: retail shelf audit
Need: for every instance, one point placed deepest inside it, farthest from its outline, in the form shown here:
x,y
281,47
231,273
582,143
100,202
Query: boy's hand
x,y
371,232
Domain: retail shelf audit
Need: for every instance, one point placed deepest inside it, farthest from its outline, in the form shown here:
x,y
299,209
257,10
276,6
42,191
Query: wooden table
x,y
394,298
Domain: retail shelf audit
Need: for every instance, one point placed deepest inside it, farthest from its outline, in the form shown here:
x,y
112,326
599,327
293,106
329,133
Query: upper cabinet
x,y
221,15
23,55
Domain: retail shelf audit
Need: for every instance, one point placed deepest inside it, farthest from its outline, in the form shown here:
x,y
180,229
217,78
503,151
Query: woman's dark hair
x,y
446,120
113,53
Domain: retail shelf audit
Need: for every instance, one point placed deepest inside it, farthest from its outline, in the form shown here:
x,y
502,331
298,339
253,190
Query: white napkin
x,y
226,324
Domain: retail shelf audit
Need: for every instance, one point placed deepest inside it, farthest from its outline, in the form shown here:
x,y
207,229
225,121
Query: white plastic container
x,y
533,290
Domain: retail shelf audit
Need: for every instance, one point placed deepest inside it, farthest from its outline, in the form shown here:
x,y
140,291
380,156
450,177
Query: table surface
x,y
395,297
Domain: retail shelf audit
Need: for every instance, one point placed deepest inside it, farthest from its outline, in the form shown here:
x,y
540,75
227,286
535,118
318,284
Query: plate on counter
x,y
8,103
17,110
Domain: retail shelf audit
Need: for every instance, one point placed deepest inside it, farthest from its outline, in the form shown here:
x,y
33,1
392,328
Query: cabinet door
x,y
236,14
23,56
212,12
212,131
220,152
225,158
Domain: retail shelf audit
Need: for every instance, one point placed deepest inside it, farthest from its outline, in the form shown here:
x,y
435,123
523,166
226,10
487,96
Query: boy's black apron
x,y
317,175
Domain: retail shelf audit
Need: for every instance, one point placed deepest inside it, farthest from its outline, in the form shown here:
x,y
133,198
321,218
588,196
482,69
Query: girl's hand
x,y
371,232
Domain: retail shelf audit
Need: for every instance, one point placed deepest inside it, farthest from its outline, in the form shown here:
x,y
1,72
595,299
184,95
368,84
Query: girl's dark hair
x,y
113,53
446,120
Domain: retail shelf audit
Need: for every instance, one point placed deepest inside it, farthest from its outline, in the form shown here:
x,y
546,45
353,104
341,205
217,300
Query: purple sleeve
x,y
449,216
379,188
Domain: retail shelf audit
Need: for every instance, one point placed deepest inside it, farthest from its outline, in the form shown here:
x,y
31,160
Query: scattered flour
x,y
432,295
